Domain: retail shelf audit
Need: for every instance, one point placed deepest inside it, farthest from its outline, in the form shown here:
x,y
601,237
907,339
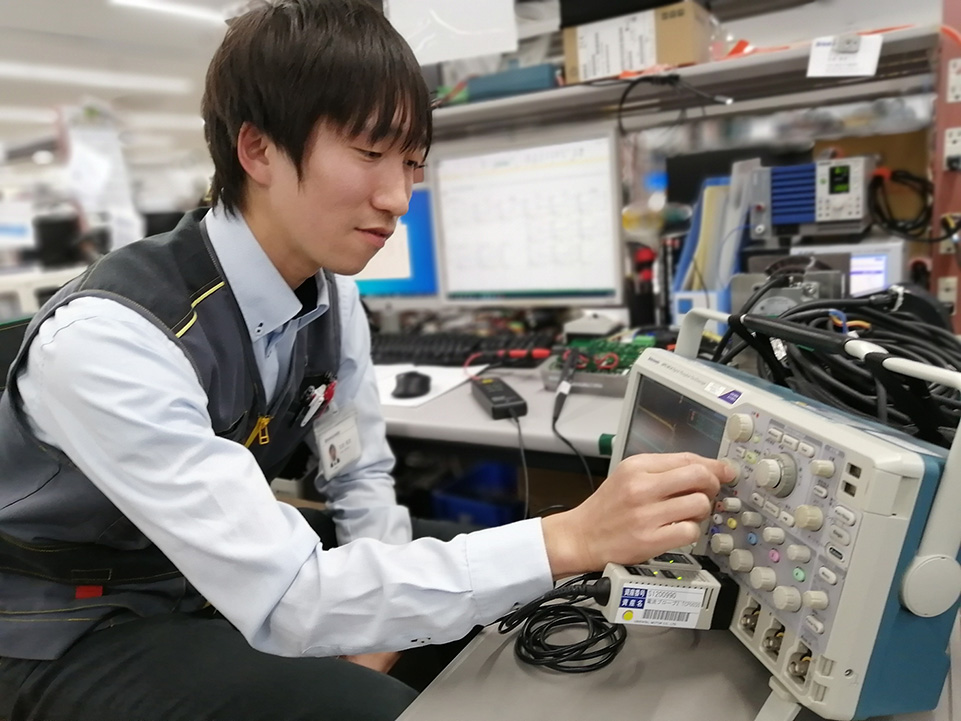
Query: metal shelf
x,y
769,80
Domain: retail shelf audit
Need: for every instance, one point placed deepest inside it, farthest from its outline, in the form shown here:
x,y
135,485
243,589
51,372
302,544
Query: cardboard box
x,y
678,34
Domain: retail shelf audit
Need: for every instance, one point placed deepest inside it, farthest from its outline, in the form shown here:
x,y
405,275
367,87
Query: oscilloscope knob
x,y
818,600
731,504
734,466
778,474
773,534
822,467
810,518
801,554
722,543
741,560
751,519
787,598
739,427
763,578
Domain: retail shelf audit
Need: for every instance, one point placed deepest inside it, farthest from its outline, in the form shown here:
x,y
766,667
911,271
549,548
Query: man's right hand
x,y
650,504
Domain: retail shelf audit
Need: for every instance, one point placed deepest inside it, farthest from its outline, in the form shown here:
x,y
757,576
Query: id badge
x,y
338,441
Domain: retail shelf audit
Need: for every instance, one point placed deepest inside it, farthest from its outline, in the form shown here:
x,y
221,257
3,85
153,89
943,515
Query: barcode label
x,y
676,616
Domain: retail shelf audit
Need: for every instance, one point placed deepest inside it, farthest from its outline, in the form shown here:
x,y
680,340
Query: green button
x,y
799,574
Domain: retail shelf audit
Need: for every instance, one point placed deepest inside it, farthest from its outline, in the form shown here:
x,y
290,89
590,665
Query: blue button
x,y
752,539
714,529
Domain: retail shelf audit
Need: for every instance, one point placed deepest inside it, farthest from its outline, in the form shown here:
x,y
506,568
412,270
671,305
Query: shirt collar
x,y
265,299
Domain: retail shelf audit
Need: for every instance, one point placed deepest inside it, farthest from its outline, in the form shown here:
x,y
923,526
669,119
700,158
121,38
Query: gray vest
x,y
70,561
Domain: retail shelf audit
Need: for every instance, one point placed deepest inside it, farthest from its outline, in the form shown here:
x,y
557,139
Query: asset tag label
x,y
670,606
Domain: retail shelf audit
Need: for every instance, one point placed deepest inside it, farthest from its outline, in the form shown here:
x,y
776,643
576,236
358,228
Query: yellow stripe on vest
x,y
193,317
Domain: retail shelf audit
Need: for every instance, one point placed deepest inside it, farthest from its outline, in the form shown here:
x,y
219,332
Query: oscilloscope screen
x,y
665,421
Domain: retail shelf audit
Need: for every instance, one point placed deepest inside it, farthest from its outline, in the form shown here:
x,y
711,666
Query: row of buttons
x,y
790,442
772,510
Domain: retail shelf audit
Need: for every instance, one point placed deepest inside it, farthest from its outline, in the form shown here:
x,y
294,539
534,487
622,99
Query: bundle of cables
x,y
916,228
925,410
548,615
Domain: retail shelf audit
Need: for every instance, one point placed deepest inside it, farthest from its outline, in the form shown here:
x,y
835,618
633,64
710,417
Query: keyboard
x,y
452,349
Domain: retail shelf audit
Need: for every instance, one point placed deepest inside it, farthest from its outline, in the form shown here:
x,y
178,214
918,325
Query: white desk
x,y
456,417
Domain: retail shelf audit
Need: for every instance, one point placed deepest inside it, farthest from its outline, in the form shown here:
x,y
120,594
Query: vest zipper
x,y
259,433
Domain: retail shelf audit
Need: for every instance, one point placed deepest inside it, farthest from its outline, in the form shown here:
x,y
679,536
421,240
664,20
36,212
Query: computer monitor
x,y
531,220
875,265
404,271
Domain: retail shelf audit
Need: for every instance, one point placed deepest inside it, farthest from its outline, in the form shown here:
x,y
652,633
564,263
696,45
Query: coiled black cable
x,y
545,616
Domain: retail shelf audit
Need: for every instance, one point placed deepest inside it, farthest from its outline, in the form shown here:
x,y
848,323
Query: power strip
x,y
674,590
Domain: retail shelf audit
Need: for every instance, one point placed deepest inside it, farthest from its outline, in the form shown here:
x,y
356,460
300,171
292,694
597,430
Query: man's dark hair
x,y
286,65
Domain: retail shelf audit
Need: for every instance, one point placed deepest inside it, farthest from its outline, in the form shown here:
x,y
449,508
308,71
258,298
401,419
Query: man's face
x,y
346,205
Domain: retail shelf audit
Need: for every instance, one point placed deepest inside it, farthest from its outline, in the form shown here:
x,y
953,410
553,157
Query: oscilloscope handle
x,y
932,582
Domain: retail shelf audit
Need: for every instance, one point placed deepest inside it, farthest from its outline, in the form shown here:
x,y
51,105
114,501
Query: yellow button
x,y
628,615
732,523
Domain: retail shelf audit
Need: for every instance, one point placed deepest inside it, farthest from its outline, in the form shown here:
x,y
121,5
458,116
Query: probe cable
x,y
543,617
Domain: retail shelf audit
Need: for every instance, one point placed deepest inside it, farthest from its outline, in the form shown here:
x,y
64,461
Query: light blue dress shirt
x,y
112,391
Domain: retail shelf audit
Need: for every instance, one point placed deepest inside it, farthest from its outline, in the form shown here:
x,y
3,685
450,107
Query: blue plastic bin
x,y
486,496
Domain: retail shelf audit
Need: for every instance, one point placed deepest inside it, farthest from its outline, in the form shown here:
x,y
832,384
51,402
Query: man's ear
x,y
255,151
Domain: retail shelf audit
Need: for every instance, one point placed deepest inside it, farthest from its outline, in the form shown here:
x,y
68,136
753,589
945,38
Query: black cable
x,y
849,384
916,228
527,480
587,469
672,80
568,369
778,281
545,616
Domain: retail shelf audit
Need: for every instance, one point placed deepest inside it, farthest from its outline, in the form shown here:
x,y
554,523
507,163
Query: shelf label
x,y
845,56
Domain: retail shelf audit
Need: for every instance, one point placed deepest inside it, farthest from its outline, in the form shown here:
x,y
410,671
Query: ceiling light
x,y
27,115
174,8
43,157
59,74
163,121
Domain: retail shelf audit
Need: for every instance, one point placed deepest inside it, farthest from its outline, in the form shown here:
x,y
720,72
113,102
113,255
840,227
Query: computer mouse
x,y
411,384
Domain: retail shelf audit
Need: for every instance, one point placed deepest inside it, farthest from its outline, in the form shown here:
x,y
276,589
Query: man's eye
x,y
415,165
369,154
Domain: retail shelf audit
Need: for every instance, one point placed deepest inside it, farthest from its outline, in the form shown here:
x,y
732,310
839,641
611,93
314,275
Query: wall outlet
x,y
953,91
948,292
952,149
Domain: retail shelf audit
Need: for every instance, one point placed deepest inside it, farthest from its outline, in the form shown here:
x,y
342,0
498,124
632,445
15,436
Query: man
x,y
156,394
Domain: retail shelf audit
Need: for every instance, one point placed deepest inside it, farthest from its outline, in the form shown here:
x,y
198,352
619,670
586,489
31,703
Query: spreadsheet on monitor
x,y
532,223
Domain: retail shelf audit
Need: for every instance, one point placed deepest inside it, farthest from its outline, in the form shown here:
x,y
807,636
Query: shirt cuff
x,y
508,565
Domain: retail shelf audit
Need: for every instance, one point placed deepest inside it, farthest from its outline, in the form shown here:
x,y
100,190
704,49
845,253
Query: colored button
x,y
752,539
718,518
839,535
774,555
751,457
806,449
756,438
820,491
813,624
714,529
799,574
787,519
846,515
789,442
732,523
827,575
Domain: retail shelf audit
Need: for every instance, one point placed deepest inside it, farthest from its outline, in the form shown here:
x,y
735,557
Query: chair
x,y
11,336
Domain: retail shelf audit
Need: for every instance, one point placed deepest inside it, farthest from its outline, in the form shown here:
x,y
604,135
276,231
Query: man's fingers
x,y
663,462
690,507
696,478
675,535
